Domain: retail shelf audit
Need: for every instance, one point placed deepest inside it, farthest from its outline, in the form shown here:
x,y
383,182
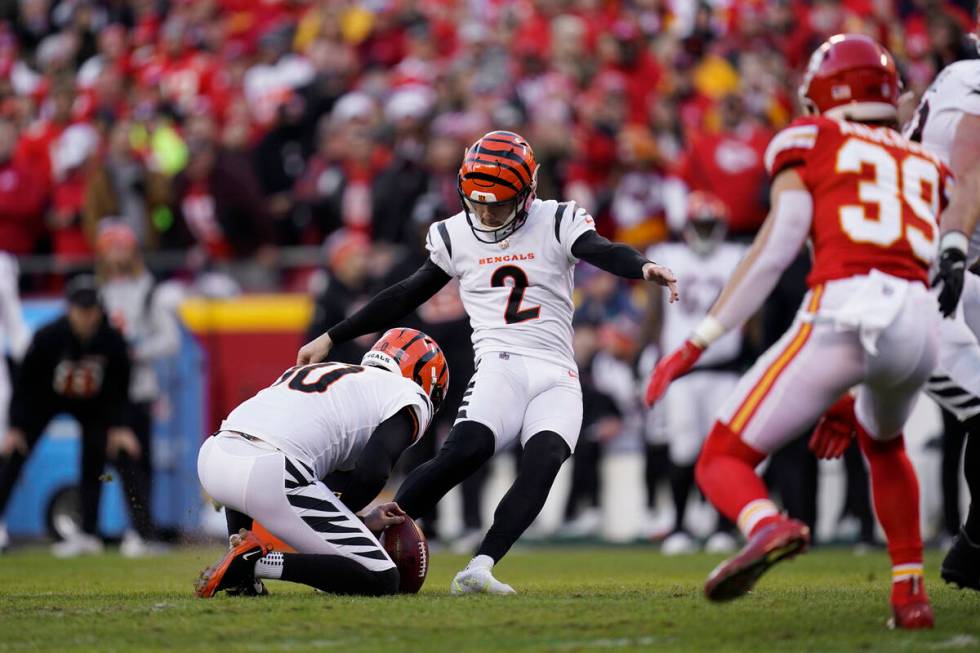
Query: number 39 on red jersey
x,y
876,196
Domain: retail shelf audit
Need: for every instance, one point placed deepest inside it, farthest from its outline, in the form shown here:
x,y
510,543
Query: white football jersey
x,y
954,92
700,279
518,293
323,414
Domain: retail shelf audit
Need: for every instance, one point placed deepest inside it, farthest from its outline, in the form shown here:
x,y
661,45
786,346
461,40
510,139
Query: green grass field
x,y
571,599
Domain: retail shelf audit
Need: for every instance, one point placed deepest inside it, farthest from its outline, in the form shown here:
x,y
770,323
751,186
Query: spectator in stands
x,y
218,204
279,160
405,179
22,196
77,364
72,157
129,293
344,288
730,163
122,186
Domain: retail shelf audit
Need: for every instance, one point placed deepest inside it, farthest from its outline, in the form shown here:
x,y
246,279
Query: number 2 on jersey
x,y
514,313
298,376
887,193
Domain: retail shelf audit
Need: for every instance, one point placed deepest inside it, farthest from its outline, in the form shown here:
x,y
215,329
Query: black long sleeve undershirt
x,y
615,258
392,303
400,299
376,460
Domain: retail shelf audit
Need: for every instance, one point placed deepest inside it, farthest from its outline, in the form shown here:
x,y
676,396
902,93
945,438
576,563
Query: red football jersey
x,y
876,197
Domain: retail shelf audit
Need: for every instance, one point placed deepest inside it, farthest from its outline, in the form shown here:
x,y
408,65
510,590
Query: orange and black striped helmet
x,y
415,356
498,170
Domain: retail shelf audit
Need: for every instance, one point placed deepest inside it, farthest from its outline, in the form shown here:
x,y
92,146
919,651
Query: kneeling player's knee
x,y
387,582
546,451
468,443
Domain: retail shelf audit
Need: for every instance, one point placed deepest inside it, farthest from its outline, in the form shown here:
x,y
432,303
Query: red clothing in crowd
x,y
67,200
22,196
731,165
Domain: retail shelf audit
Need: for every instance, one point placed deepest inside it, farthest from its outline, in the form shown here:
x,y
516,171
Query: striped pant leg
x,y
946,392
301,511
955,383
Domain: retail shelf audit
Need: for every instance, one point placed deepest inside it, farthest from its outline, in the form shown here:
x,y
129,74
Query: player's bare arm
x,y
384,309
780,239
623,261
960,217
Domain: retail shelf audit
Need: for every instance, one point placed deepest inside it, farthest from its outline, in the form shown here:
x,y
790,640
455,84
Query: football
x,y
408,548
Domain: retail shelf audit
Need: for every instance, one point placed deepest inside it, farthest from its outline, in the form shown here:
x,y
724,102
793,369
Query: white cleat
x,y
134,546
478,580
679,543
78,544
721,542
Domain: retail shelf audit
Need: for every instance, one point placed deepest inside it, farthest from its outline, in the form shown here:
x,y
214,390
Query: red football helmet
x,y
851,76
415,356
499,176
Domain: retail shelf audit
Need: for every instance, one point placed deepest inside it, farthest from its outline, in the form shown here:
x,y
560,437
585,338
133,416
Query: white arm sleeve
x,y
774,249
12,323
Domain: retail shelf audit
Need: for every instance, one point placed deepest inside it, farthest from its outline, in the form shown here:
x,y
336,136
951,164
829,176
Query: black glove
x,y
952,267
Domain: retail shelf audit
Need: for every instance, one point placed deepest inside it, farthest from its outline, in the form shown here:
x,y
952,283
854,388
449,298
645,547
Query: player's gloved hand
x,y
383,516
663,276
314,351
835,430
671,367
952,268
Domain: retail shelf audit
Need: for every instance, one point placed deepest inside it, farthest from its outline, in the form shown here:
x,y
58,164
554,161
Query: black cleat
x,y
961,566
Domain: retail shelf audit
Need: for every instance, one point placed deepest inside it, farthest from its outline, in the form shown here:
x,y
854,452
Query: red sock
x,y
896,497
725,472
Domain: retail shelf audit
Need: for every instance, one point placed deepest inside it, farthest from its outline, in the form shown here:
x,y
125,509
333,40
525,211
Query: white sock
x,y
269,565
481,562
754,512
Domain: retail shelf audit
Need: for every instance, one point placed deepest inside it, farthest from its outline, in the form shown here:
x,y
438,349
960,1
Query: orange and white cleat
x,y
910,605
773,543
235,568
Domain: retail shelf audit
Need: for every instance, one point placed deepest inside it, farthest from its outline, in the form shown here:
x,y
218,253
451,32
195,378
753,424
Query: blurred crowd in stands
x,y
224,134
227,129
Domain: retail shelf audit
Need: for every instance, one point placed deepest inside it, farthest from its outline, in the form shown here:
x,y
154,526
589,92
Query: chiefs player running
x,y
868,200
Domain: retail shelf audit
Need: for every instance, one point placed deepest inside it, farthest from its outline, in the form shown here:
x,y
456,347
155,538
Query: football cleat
x,y
235,568
773,543
78,544
478,580
910,605
961,566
